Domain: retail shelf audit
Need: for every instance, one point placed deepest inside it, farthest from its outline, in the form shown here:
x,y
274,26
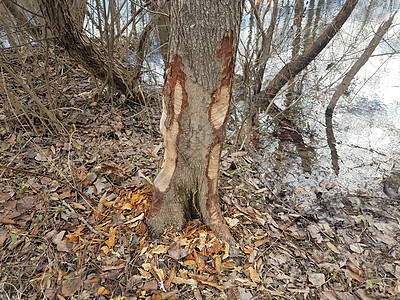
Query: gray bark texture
x,y
196,99
69,36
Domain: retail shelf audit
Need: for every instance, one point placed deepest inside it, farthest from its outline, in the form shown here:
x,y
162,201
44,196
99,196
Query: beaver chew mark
x,y
220,99
217,116
213,164
175,100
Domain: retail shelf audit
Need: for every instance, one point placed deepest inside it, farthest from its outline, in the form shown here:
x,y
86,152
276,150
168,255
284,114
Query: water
x,y
366,121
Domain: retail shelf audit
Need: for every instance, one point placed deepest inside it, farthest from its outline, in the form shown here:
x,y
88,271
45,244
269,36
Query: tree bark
x,y
21,19
342,87
196,99
300,62
69,36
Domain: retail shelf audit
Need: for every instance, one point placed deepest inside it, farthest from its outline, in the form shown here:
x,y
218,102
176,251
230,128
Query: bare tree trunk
x,y
21,19
250,118
78,10
298,64
346,83
298,11
162,23
321,3
196,98
309,27
86,53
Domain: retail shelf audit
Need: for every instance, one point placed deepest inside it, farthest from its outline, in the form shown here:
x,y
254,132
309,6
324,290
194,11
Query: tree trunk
x,y
81,48
295,66
196,99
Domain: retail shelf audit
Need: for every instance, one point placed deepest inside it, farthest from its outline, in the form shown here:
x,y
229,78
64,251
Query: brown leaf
x,y
111,239
218,263
317,279
77,205
333,247
254,275
176,252
62,246
171,277
197,294
71,286
40,157
150,285
102,291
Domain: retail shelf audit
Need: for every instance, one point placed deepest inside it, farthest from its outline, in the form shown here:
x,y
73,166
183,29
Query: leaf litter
x,y
72,223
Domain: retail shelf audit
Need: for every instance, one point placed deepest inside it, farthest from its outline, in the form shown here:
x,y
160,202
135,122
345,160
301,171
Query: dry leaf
x,y
179,280
176,252
71,286
202,240
150,285
102,291
243,294
105,249
111,239
40,157
332,247
218,263
226,252
160,249
254,275
317,279
238,154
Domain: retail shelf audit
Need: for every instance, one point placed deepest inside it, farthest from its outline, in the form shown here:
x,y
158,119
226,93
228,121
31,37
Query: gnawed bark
x,y
196,100
342,87
299,63
69,36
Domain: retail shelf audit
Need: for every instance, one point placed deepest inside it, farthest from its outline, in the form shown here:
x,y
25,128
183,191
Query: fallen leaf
x,y
202,240
243,294
40,157
254,275
238,154
332,247
159,249
317,279
111,239
57,239
150,285
356,248
177,252
71,286
62,246
77,205
218,263
102,291
179,280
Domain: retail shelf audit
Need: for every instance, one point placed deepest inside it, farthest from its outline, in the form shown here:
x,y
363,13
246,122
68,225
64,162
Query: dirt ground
x,y
73,206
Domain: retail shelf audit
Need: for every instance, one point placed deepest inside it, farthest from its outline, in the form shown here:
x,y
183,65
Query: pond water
x,y
366,123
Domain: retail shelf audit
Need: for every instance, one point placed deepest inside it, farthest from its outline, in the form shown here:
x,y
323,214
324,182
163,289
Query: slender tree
x,y
345,83
300,62
196,99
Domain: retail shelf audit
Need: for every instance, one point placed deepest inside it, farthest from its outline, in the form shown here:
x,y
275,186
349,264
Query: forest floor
x,y
73,206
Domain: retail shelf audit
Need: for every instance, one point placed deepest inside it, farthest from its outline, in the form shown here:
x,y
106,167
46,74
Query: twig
x,y
83,219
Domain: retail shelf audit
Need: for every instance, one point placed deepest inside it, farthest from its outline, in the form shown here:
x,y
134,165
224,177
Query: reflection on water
x,y
366,124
